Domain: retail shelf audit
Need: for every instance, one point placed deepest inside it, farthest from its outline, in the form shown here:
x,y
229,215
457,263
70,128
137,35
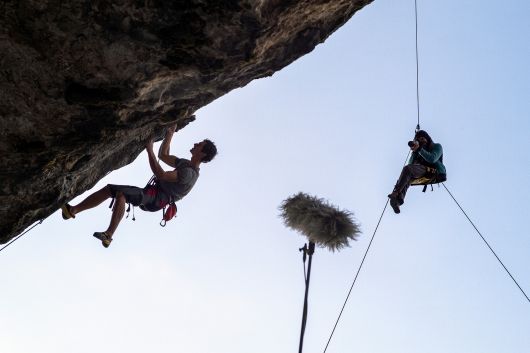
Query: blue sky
x,y
226,275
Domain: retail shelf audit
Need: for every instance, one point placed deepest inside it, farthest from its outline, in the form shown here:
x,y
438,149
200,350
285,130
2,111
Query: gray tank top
x,y
187,176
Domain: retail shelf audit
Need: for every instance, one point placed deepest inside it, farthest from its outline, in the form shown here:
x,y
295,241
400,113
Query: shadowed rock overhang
x,y
84,84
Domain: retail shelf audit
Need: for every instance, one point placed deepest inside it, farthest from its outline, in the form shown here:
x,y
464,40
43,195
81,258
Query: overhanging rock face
x,y
84,84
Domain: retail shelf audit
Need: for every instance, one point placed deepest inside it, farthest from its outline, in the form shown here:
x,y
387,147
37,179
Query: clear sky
x,y
226,275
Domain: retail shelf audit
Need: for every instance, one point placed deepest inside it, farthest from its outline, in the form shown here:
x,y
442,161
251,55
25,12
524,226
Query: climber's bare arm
x,y
157,170
163,152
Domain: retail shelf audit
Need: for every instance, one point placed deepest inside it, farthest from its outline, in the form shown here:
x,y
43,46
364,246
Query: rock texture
x,y
85,83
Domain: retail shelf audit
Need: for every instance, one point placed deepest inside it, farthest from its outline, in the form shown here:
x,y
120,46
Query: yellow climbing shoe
x,y
104,237
66,211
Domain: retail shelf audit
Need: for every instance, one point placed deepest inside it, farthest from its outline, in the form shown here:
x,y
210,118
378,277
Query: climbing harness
x,y
430,178
169,207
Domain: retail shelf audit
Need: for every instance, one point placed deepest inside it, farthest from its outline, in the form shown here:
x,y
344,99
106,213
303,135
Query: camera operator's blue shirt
x,y
432,157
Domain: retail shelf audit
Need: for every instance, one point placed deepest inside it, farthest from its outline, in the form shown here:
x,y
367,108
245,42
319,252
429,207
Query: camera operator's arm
x,y
157,170
163,152
414,146
433,155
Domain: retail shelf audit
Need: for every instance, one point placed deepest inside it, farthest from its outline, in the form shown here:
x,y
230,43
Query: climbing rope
x,y
484,239
356,275
386,204
360,267
370,244
20,236
417,67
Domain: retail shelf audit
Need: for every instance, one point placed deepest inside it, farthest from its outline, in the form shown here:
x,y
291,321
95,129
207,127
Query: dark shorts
x,y
133,194
145,198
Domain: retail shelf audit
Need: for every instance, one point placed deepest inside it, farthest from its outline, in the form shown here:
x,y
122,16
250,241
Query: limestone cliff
x,y
83,84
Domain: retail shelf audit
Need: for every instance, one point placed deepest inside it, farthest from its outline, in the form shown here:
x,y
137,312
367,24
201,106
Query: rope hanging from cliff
x,y
20,236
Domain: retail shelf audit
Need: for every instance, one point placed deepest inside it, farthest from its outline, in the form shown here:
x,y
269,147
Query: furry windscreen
x,y
322,223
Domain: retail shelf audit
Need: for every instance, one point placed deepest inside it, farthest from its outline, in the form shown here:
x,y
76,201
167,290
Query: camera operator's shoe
x,y
395,201
105,238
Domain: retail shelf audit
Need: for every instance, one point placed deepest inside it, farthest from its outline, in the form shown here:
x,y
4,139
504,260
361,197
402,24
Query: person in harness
x,y
166,186
426,161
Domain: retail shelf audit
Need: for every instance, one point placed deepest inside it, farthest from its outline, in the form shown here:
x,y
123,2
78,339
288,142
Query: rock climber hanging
x,y
166,186
424,167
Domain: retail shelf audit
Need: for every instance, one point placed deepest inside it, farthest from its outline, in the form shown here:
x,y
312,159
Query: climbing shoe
x,y
104,237
394,202
66,211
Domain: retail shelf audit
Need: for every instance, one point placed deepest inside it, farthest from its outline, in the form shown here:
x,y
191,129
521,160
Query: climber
x,y
426,161
168,186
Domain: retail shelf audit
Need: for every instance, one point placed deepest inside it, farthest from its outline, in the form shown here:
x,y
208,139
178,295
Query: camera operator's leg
x,y
409,172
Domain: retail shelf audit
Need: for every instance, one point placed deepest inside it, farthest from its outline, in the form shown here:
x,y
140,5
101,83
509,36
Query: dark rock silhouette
x,y
84,84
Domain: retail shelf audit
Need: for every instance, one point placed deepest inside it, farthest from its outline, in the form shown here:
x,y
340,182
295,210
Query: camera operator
x,y
426,161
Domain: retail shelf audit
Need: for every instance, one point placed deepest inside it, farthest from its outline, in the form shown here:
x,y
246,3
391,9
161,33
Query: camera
x,y
412,143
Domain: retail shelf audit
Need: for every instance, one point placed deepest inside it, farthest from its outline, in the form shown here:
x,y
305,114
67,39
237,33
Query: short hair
x,y
209,150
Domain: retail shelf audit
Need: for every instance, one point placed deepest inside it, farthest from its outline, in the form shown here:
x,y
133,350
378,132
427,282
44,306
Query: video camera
x,y
412,143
